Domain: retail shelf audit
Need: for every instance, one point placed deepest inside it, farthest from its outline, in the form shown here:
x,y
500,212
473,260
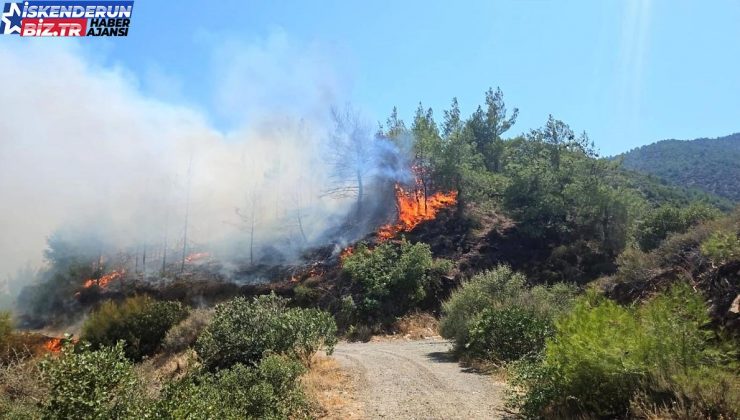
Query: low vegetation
x,y
388,281
243,331
251,355
140,322
184,334
268,390
606,360
495,316
91,384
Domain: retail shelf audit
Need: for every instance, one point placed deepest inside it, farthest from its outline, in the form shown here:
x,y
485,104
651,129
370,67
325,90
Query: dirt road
x,y
418,380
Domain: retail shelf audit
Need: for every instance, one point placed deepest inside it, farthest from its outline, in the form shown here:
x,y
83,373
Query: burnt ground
x,y
473,243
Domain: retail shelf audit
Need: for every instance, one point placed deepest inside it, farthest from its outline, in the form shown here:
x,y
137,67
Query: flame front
x,y
196,256
105,280
346,253
413,209
53,345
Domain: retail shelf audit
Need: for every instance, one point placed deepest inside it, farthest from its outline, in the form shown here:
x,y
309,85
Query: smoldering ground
x,y
84,150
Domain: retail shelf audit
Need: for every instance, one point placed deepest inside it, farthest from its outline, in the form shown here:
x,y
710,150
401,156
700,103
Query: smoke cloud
x,y
83,148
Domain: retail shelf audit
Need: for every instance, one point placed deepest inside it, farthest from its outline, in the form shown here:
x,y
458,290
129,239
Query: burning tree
x,y
427,148
415,207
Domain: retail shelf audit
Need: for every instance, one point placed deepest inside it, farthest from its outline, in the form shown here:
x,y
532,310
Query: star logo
x,y
11,19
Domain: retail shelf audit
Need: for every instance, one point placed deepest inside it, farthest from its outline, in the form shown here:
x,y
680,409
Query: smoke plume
x,y
83,149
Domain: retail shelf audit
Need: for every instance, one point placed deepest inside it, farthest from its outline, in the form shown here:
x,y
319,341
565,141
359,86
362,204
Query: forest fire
x,y
53,345
413,209
197,256
104,280
315,271
346,253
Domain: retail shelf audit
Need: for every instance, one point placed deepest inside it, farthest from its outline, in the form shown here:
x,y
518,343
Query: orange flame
x,y
53,345
315,271
196,256
346,253
412,210
105,280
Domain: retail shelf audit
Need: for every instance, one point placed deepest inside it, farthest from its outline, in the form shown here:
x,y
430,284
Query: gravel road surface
x,y
398,379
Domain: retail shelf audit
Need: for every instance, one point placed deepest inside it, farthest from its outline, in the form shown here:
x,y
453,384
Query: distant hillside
x,y
712,165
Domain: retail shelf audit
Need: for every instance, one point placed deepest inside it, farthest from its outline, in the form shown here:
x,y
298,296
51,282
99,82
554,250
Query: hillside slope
x,y
712,165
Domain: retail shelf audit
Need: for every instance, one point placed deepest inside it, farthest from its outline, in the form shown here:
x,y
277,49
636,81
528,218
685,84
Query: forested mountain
x,y
712,165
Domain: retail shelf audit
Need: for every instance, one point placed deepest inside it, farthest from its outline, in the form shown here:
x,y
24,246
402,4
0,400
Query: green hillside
x,y
712,165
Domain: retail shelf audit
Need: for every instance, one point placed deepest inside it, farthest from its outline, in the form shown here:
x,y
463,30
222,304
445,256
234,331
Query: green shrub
x,y
721,247
183,335
304,295
270,390
243,331
636,266
473,296
140,321
507,334
668,219
392,278
87,384
346,313
672,324
603,356
501,293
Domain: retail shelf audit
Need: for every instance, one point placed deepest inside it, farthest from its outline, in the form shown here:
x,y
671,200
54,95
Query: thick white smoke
x,y
81,146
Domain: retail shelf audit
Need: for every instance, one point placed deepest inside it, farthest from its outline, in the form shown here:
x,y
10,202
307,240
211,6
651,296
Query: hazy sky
x,y
628,72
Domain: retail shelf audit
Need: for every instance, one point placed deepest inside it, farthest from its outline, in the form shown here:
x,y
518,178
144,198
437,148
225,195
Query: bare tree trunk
x,y
166,228
360,195
300,226
164,255
187,214
143,263
136,260
251,240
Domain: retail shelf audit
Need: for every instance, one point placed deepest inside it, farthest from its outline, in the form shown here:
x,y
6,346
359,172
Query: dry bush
x,y
708,394
331,389
158,371
17,346
417,326
21,391
183,335
360,332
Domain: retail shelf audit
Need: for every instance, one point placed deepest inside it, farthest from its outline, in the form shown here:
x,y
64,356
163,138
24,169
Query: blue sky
x,y
628,72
